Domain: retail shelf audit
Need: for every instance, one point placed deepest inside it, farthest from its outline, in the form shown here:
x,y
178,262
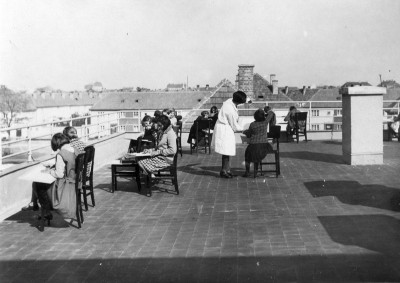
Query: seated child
x,y
201,131
258,146
148,134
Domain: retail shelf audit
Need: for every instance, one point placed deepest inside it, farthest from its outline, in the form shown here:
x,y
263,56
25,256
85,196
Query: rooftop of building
x,y
150,100
59,99
320,221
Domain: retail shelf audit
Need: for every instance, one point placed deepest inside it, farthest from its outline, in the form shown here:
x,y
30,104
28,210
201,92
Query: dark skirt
x,y
257,152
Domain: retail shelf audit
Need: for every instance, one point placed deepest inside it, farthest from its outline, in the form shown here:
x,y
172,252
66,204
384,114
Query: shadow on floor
x,y
352,192
313,156
333,142
379,233
125,184
31,217
313,268
195,169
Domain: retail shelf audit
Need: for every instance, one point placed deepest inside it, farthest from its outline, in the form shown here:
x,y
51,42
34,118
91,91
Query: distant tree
x,y
12,103
138,89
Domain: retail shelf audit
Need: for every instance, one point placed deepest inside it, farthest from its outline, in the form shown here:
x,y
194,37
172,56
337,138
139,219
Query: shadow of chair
x,y
87,179
168,173
274,134
126,168
203,136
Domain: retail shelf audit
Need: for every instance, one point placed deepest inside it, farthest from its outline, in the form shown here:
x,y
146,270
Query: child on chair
x,y
258,146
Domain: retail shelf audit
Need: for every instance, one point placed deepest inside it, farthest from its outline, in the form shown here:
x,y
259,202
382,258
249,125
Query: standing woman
x,y
224,131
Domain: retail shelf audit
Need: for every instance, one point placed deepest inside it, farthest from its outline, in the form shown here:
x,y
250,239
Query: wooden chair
x,y
179,137
300,127
274,134
80,173
87,180
127,168
169,173
392,134
202,125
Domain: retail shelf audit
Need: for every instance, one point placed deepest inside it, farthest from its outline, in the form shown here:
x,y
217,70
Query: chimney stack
x,y
304,90
271,78
207,87
198,87
275,87
245,80
286,90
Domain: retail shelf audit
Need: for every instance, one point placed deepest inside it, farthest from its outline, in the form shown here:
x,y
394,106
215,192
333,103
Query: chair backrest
x,y
300,119
275,133
133,146
179,129
88,162
79,170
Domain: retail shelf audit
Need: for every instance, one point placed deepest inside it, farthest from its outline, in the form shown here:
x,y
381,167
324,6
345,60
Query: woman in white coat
x,y
224,131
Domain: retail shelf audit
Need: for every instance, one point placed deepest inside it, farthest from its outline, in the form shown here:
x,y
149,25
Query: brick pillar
x,y
245,80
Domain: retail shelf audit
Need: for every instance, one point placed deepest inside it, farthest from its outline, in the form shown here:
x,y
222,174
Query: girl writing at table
x,y
163,154
63,195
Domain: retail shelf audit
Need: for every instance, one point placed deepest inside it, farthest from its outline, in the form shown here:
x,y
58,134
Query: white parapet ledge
x,y
363,90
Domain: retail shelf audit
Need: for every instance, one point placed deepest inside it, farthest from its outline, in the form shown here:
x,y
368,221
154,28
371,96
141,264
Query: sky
x,y
67,44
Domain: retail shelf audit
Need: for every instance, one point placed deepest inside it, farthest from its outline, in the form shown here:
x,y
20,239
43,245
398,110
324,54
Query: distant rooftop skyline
x,y
149,43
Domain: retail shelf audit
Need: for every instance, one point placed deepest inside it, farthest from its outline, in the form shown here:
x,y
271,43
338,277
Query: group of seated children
x,y
60,195
198,134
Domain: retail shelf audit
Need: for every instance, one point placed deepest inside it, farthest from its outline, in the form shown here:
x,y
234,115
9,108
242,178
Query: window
x,y
136,128
315,127
314,112
123,128
135,113
337,112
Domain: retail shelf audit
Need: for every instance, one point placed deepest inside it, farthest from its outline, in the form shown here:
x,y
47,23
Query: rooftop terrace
x,y
321,220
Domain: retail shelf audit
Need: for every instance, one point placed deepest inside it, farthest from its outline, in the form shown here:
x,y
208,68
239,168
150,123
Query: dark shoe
x,y
31,206
230,174
225,175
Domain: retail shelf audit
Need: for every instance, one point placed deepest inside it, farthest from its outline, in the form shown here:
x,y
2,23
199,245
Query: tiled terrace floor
x,y
321,220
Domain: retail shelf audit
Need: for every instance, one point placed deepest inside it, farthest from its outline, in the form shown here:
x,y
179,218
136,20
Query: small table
x,y
124,164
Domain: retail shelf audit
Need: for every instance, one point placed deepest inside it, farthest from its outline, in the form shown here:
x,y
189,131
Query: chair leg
x,y
176,182
148,185
255,169
79,209
305,134
84,194
113,178
92,194
137,176
277,165
297,135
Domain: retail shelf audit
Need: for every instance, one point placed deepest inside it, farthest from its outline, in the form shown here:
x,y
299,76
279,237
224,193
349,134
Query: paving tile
x,y
321,220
